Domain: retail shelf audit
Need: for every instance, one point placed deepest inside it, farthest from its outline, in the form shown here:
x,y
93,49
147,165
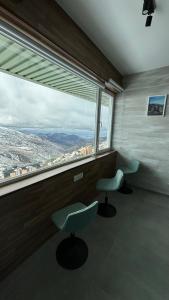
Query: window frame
x,y
41,50
109,148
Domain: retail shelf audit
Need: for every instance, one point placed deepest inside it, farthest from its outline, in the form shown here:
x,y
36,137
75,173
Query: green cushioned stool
x,y
132,168
109,185
72,252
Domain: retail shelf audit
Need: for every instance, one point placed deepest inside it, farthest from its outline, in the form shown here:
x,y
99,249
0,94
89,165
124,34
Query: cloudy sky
x,y
26,104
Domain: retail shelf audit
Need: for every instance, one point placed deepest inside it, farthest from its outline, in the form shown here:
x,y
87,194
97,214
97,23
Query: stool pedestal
x,y
106,210
72,253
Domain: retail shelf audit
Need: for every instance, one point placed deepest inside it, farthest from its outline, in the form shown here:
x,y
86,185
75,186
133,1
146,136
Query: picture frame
x,y
156,105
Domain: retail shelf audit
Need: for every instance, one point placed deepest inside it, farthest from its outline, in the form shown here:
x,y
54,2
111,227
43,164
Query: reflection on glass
x,y
105,121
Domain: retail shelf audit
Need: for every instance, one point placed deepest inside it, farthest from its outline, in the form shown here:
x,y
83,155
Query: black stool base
x,y
125,189
106,210
72,253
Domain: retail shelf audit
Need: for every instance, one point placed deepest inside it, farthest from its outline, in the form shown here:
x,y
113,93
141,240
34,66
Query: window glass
x,y
41,127
105,121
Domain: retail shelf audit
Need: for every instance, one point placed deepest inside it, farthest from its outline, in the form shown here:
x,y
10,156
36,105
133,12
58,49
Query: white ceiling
x,y
117,27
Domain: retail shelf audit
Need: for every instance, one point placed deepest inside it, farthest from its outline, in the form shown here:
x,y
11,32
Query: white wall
x,y
143,137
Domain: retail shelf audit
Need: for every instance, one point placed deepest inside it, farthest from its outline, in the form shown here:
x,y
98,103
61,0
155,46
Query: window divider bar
x,y
112,123
98,109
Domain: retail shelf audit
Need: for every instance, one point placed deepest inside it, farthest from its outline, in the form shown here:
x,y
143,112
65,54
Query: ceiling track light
x,y
149,7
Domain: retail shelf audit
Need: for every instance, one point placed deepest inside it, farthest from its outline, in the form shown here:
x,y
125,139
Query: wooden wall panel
x,y
57,30
25,214
143,137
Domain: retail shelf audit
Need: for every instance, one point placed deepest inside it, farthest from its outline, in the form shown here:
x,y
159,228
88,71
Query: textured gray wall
x,y
143,137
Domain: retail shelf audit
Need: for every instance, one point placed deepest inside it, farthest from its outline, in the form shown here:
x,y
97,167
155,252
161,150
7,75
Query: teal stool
x,y
109,185
72,252
132,168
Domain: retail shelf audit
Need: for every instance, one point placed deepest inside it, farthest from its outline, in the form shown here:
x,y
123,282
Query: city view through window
x,y
41,127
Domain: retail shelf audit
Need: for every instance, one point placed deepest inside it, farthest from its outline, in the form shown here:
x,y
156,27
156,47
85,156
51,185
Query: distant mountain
x,y
85,134
68,140
18,148
64,139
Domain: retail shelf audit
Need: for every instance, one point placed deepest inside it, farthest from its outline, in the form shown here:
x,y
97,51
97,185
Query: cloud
x,y
26,104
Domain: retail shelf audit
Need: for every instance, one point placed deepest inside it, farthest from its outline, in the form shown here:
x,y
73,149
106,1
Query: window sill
x,y
22,183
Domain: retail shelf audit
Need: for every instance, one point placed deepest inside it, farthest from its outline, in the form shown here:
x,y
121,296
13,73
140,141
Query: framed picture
x,y
156,105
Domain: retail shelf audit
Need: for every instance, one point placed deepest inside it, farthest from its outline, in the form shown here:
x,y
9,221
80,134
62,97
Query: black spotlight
x,y
145,7
148,9
148,21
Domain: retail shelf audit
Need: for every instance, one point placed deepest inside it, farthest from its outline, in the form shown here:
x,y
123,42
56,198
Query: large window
x,y
47,113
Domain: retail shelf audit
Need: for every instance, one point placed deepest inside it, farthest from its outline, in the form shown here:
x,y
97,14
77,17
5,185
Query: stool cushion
x,y
107,185
110,184
132,167
127,170
59,217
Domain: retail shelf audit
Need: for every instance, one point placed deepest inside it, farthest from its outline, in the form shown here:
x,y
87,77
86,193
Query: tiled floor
x,y
128,258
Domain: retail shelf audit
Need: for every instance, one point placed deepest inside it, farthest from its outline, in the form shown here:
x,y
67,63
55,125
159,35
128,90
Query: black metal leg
x,y
72,253
125,189
106,210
